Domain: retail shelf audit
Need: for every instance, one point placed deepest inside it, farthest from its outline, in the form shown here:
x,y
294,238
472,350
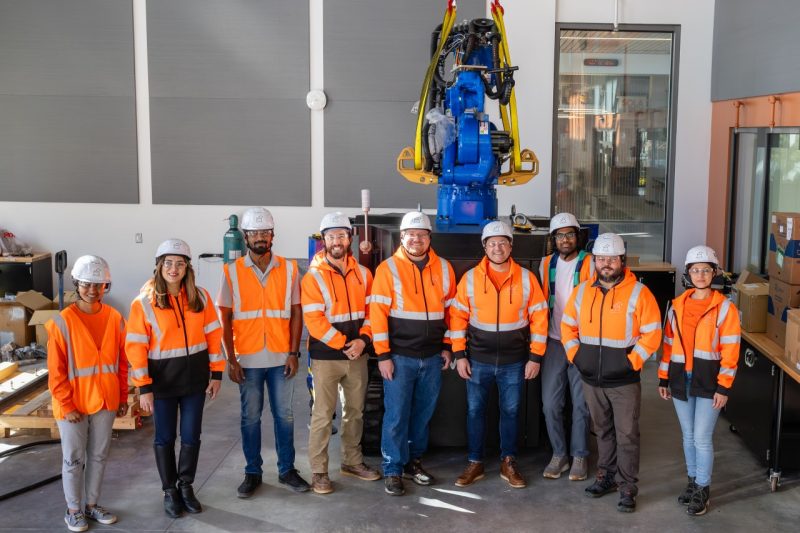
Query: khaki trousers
x,y
348,379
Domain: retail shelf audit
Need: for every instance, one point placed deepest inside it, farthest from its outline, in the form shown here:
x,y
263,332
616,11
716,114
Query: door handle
x,y
750,358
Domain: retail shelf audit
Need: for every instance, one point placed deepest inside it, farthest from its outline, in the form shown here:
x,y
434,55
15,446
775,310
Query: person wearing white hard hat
x,y
498,325
175,350
88,380
262,321
409,306
610,327
334,294
560,273
698,366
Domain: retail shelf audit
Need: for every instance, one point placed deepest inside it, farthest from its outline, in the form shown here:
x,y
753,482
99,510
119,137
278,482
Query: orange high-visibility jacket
x,y
174,352
716,349
409,309
609,335
584,271
82,376
261,313
335,306
499,327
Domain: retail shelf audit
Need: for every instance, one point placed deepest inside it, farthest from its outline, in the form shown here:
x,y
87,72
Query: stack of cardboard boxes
x,y
784,284
22,319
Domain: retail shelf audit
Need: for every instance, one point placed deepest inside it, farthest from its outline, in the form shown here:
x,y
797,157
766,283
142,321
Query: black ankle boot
x,y
686,495
698,506
187,466
165,462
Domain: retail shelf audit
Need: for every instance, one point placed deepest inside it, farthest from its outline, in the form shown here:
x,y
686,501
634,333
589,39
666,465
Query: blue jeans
x,y
557,375
697,417
409,400
165,419
251,393
510,379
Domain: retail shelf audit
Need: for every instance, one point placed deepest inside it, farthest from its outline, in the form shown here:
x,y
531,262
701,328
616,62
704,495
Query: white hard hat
x,y
415,220
497,228
335,220
563,220
91,269
174,247
257,218
701,254
609,245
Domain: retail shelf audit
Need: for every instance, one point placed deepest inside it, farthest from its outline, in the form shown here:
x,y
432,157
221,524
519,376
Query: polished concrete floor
x,y
741,500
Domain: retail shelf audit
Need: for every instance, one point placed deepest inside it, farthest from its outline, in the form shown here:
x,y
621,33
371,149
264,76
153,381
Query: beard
x,y
337,251
422,253
260,247
609,275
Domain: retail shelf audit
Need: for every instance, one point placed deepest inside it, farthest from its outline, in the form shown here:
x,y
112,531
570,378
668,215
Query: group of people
x,y
587,329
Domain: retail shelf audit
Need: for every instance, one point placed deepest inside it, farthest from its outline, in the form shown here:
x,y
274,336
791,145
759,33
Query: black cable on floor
x,y
37,484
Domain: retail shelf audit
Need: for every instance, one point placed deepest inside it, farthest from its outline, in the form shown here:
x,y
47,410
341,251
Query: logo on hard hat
x,y
176,245
605,248
96,272
259,218
416,220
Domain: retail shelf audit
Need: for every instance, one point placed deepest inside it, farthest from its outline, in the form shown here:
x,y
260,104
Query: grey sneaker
x,y
558,465
76,522
100,515
579,470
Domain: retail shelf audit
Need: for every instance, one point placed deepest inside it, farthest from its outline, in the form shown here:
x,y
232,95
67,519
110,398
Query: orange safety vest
x,y
261,313
82,376
584,271
335,306
609,334
500,327
716,349
409,309
172,351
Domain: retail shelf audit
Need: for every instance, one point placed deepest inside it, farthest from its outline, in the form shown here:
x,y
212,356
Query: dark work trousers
x,y
615,422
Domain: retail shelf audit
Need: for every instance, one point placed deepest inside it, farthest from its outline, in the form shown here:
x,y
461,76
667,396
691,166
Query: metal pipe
x,y
616,15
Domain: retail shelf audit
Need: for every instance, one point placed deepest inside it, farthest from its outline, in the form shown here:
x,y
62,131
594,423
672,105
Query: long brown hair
x,y
156,288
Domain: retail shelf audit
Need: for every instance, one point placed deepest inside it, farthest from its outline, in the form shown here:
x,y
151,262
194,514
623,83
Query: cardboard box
x,y
750,293
15,316
70,297
784,247
38,320
792,353
782,297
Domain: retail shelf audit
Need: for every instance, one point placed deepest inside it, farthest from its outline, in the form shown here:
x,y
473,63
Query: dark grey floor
x,y
741,500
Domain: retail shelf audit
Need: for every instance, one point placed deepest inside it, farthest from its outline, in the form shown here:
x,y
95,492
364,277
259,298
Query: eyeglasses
x,y
333,237
258,233
497,244
180,265
420,235
699,271
89,284
607,259
561,236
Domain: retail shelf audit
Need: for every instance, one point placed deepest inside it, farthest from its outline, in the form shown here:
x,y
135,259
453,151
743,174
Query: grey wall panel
x,y
755,48
67,109
228,80
230,151
67,149
362,140
376,55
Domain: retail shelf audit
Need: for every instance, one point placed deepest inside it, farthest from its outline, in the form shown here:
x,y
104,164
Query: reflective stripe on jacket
x,y
609,334
499,327
261,313
172,351
82,376
335,306
409,309
716,349
584,271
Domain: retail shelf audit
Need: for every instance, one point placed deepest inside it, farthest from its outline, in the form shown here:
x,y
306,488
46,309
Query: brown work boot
x,y
361,471
472,473
321,484
509,472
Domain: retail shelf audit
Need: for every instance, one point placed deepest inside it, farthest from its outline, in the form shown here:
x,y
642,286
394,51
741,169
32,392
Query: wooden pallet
x,y
32,407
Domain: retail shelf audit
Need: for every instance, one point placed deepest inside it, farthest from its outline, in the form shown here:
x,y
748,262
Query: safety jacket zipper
x,y
424,297
600,349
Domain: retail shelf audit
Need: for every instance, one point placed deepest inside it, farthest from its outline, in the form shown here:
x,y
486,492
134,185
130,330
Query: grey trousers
x,y
557,376
85,444
615,420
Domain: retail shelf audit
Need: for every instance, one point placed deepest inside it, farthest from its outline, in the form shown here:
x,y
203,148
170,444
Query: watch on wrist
x,y
295,353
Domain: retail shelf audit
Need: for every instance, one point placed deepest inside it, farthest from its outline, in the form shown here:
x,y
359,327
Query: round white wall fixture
x,y
316,100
